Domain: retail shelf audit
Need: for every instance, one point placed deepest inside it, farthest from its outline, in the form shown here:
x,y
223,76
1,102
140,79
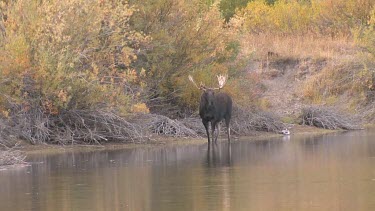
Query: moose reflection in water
x,y
219,155
214,107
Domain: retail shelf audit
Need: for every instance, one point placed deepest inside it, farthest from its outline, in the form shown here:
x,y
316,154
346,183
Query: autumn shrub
x,y
322,18
280,17
365,36
68,55
188,37
341,17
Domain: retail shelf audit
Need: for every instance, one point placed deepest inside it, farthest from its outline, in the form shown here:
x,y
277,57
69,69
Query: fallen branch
x,y
100,126
92,127
10,156
328,118
245,122
162,125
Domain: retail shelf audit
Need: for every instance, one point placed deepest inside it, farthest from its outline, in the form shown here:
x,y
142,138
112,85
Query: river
x,y
323,172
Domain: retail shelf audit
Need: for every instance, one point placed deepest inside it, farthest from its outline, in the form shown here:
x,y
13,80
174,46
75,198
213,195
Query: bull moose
x,y
214,107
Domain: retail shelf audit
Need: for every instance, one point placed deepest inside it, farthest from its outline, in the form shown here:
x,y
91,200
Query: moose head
x,y
214,106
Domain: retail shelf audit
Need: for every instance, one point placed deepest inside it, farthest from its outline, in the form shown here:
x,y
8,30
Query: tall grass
x,y
298,46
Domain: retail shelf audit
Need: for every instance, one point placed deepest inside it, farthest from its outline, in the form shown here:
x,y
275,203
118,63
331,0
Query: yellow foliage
x,y
333,18
14,58
4,113
187,36
140,108
244,90
72,51
264,104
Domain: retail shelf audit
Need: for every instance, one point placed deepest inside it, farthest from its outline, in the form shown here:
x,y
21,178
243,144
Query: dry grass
x,y
297,46
316,69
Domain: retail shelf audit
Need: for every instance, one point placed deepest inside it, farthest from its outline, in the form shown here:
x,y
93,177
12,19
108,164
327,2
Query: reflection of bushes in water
x,y
328,118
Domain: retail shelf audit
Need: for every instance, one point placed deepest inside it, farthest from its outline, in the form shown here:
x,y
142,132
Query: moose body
x,y
214,107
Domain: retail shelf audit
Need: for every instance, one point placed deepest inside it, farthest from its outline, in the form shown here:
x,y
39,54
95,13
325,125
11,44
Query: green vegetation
x,y
62,60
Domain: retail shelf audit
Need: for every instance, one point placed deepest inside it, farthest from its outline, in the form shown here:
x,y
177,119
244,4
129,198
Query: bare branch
x,y
328,118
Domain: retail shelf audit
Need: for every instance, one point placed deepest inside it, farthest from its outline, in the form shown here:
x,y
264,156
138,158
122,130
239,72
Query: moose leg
x,y
205,123
217,130
227,121
213,127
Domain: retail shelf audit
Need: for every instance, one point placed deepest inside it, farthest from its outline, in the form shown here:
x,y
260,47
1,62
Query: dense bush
x,y
79,57
188,37
70,55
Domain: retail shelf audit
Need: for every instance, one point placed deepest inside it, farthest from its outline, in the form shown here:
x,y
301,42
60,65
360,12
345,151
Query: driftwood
x,y
194,123
245,122
162,125
76,126
30,123
100,126
93,127
8,153
10,156
328,118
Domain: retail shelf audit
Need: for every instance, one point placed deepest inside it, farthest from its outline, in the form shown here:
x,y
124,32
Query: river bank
x,y
161,141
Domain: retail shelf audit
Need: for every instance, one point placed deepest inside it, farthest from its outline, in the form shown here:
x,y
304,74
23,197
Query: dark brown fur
x,y
213,108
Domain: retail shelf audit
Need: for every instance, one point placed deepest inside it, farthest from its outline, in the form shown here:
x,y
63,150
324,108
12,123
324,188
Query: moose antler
x,y
222,79
201,87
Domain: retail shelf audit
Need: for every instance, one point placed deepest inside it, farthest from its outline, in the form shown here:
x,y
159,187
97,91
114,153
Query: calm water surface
x,y
327,172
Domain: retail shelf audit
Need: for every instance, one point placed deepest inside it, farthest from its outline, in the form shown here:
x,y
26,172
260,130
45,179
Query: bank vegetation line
x,y
99,127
